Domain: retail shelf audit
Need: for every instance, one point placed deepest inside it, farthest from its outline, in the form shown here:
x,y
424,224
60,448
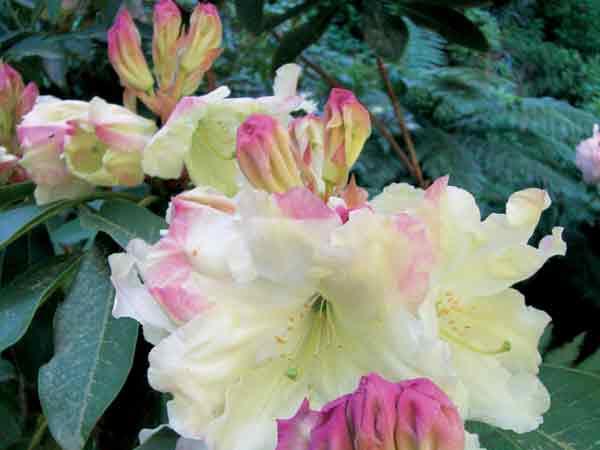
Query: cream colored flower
x,y
259,310
469,302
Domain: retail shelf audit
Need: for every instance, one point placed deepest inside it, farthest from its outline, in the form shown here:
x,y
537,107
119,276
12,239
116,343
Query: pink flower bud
x,y
587,158
15,101
167,26
11,85
201,45
347,127
265,155
410,415
27,100
125,53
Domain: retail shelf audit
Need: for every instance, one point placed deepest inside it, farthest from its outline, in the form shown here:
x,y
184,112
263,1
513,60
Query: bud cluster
x,y
180,57
315,152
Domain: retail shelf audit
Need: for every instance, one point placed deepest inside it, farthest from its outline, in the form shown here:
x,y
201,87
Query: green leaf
x,y
18,221
10,431
24,295
163,439
124,221
573,422
250,14
449,23
7,371
294,42
14,192
93,356
385,33
460,3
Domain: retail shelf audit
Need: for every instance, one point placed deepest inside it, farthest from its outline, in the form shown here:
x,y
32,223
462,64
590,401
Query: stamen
x,y
505,347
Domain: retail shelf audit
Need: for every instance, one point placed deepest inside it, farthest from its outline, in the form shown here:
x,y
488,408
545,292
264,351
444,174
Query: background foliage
x,y
497,95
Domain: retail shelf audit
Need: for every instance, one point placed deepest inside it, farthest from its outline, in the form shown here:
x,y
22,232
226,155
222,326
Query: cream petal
x,y
175,137
514,401
133,300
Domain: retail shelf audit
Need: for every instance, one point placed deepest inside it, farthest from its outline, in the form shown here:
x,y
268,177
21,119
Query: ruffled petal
x,y
175,137
133,300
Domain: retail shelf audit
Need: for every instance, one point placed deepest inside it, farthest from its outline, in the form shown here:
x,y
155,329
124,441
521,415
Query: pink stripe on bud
x,y
125,53
167,27
201,45
347,127
265,156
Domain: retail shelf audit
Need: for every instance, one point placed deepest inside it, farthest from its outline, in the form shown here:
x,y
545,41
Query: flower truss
x,y
297,286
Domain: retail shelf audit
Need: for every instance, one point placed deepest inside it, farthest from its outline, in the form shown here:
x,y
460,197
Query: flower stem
x,y
39,432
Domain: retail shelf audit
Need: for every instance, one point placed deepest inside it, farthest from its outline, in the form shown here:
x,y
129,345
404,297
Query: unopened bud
x,y
167,26
201,45
587,158
347,127
15,101
265,155
410,415
125,53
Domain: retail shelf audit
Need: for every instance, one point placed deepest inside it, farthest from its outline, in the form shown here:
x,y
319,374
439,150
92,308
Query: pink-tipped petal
x,y
301,204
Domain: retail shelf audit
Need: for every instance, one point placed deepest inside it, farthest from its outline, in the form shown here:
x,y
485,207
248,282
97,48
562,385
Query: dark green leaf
x,y
14,192
573,422
270,21
294,42
386,34
124,221
460,3
24,295
10,429
161,440
53,9
250,14
93,355
449,23
37,46
18,221
7,371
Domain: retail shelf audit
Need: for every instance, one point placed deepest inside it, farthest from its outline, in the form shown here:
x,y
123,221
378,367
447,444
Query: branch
x,y
332,82
401,122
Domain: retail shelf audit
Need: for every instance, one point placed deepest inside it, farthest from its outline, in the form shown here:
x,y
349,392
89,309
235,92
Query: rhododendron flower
x,y
16,100
201,133
410,415
468,301
42,136
10,171
70,146
587,158
239,281
259,301
105,148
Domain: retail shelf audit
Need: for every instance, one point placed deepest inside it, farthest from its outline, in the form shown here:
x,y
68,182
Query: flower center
x,y
321,335
464,325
